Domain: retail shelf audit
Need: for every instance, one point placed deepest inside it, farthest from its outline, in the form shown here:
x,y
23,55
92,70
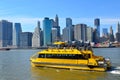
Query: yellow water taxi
x,y
70,58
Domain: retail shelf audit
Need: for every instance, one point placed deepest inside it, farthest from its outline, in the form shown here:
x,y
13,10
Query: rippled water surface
x,y
15,65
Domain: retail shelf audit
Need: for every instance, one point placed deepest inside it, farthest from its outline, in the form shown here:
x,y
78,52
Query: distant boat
x,y
103,46
4,48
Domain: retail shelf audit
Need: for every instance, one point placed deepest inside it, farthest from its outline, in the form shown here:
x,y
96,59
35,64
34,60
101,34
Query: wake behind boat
x,y
70,58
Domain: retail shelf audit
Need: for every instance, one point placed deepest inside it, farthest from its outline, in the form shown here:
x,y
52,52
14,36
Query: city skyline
x,y
49,34
81,11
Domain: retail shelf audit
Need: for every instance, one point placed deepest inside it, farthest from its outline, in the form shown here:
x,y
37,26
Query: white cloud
x,y
29,23
110,21
103,21
23,20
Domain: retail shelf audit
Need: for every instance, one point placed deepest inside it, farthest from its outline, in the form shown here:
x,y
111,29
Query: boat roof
x,y
59,43
63,51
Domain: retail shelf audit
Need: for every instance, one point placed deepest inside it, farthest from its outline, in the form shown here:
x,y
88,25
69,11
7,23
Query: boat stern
x,y
108,63
105,63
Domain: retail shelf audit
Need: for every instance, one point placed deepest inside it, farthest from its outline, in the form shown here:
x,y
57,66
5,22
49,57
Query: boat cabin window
x,y
41,56
85,56
65,56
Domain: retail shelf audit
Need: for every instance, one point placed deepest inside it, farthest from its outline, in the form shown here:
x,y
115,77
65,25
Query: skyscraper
x,y
118,37
68,22
16,34
55,24
6,29
118,28
36,38
97,26
89,34
68,30
54,35
47,27
66,34
56,20
80,32
118,33
111,35
26,40
105,32
95,38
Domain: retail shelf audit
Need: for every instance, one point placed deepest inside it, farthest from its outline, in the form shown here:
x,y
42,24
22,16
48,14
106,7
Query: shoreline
x,y
7,49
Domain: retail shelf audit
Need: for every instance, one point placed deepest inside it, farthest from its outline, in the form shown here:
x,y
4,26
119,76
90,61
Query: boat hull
x,y
68,66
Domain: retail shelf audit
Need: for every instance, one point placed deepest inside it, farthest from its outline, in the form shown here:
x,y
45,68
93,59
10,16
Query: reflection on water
x,y
63,74
15,65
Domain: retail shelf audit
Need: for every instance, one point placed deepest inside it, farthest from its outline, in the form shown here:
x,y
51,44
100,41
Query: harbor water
x,y
15,65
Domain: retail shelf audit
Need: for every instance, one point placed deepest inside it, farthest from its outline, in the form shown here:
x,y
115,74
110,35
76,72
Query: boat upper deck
x,y
64,51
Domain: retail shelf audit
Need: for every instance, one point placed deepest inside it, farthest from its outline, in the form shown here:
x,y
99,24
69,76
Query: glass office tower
x,y
47,25
6,29
16,34
97,26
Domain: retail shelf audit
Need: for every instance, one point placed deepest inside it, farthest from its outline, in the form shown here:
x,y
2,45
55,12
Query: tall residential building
x,y
105,32
80,32
47,30
90,34
97,26
111,35
6,30
25,40
54,35
37,38
16,34
68,22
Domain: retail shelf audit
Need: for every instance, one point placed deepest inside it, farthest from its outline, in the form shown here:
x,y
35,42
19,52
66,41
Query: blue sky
x,y
28,12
